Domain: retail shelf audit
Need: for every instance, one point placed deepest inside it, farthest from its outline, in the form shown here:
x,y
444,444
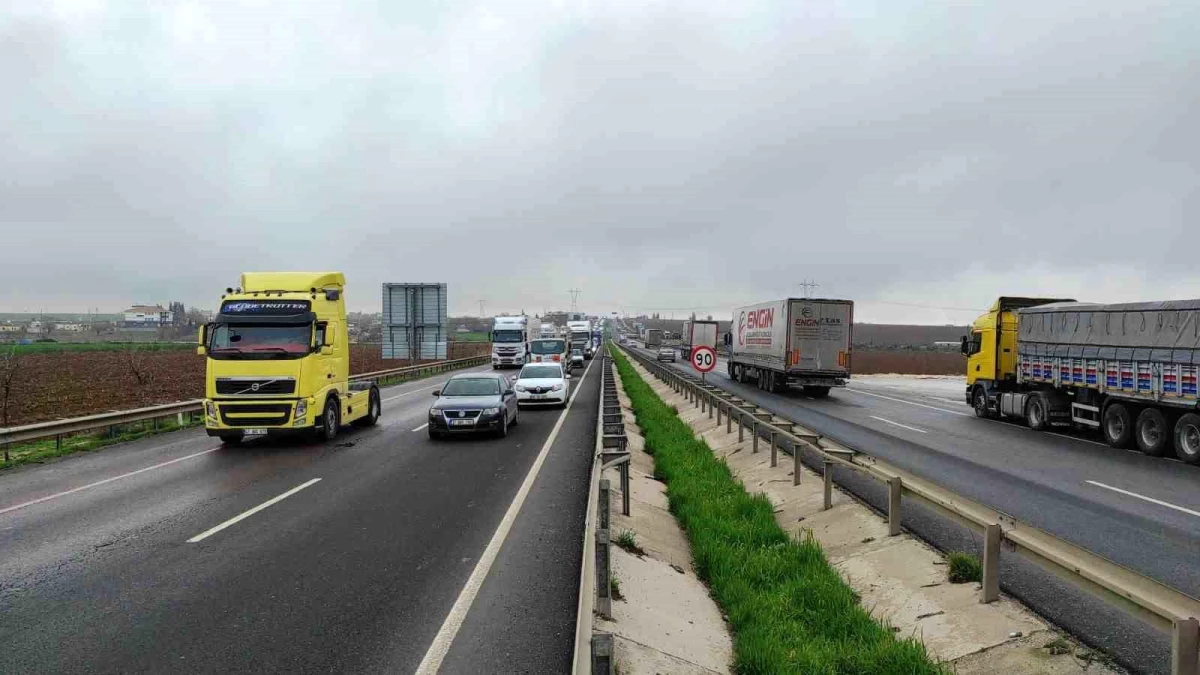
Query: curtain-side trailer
x,y
802,342
698,333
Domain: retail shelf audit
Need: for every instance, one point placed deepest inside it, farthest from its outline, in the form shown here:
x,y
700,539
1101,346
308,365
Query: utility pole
x,y
809,285
575,293
480,308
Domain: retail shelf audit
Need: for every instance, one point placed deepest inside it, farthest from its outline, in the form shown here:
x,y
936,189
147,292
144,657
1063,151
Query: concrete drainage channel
x,y
1159,606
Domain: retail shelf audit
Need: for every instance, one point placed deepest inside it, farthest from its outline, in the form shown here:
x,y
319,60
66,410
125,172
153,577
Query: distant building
x,y
141,316
10,328
71,327
36,326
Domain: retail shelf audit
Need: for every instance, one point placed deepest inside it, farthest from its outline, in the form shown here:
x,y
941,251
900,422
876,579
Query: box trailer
x,y
802,342
698,334
654,338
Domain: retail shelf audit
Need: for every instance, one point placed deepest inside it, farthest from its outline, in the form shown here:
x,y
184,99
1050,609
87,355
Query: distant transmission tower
x,y
480,308
575,293
809,285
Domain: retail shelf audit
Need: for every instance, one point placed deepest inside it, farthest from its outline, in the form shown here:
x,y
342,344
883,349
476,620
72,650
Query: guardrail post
x,y
991,564
729,419
795,464
602,653
703,401
625,488
754,430
828,470
603,555
58,443
1185,647
774,454
894,490
712,403
741,427
179,419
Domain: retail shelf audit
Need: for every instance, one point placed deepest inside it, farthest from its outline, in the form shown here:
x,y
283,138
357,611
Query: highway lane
x,y
1039,478
356,571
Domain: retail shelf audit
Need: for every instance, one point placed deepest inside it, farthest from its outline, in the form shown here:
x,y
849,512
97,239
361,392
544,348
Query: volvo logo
x,y
255,386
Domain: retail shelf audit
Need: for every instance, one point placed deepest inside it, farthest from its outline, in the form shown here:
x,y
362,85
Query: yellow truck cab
x,y
278,360
991,351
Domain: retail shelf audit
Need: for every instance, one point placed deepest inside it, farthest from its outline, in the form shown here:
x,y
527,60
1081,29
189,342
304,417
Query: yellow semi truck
x,y
1127,370
278,360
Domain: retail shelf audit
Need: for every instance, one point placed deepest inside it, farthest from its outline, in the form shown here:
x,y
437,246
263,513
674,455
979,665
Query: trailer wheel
x,y
1117,425
1187,438
1035,413
1153,432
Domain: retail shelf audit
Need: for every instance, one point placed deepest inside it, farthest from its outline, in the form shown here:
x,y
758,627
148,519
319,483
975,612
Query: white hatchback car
x,y
542,384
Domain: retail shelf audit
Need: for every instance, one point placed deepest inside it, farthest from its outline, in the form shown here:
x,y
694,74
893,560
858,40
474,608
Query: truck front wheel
x,y
979,402
330,421
1117,425
1153,433
1187,438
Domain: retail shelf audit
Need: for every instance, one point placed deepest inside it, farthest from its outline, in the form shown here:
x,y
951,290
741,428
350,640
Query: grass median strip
x,y
789,610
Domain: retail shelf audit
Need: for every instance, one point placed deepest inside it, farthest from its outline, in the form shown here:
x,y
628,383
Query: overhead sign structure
x,y
704,358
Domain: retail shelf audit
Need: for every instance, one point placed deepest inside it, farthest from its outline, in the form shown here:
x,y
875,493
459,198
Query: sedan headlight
x,y
435,413
210,409
491,411
557,387
519,387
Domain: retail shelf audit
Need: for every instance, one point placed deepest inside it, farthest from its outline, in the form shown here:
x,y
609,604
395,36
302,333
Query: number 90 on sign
x,y
704,359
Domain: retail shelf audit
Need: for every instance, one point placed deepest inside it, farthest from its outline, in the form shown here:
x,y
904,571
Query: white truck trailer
x,y
698,334
800,342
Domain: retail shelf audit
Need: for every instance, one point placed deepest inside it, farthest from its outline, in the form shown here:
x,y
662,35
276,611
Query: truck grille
x,y
228,386
256,414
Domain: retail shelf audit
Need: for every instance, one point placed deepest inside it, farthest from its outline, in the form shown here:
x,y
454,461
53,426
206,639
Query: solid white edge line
x,y
421,427
458,613
900,400
902,426
246,514
1145,498
160,465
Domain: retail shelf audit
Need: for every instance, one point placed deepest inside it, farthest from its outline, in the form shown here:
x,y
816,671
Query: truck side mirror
x,y
202,339
966,346
330,338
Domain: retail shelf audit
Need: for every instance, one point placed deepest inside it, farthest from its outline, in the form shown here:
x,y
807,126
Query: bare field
x,y
908,362
69,384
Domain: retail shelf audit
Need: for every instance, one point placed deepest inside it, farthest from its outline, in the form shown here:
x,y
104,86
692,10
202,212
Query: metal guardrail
x,y
594,651
1157,604
59,428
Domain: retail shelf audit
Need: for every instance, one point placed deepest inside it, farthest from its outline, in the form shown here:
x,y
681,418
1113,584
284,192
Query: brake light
x,y
557,357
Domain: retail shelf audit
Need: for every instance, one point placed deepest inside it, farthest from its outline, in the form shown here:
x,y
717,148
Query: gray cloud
x,y
655,156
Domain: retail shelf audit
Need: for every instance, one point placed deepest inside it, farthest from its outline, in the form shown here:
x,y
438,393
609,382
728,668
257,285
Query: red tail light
x,y
557,357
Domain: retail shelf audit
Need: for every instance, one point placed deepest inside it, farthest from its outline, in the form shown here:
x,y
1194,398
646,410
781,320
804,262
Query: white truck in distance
x,y
800,342
510,341
581,336
548,330
698,334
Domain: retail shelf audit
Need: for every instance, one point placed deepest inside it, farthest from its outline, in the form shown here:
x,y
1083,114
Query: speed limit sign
x,y
704,359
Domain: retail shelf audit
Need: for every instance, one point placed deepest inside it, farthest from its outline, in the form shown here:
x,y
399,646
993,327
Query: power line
x,y
809,285
575,293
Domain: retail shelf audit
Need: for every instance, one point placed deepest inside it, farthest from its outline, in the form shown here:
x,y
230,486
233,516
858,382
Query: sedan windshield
x,y
540,373
478,386
259,341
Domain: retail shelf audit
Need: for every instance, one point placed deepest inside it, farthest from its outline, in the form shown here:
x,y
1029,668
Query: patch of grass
x,y
789,609
614,589
627,540
1058,647
58,347
476,336
964,568
40,451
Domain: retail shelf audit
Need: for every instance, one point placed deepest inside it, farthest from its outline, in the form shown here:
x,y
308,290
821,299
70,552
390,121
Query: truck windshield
x,y
548,347
259,342
508,336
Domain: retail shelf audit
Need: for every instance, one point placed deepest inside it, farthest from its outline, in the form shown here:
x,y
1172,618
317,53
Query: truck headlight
x,y
491,411
210,409
301,413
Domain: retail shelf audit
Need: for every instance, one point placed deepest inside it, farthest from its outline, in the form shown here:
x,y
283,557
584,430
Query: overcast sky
x,y
659,156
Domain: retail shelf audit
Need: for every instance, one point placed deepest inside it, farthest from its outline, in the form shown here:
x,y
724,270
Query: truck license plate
x,y
255,432
462,423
